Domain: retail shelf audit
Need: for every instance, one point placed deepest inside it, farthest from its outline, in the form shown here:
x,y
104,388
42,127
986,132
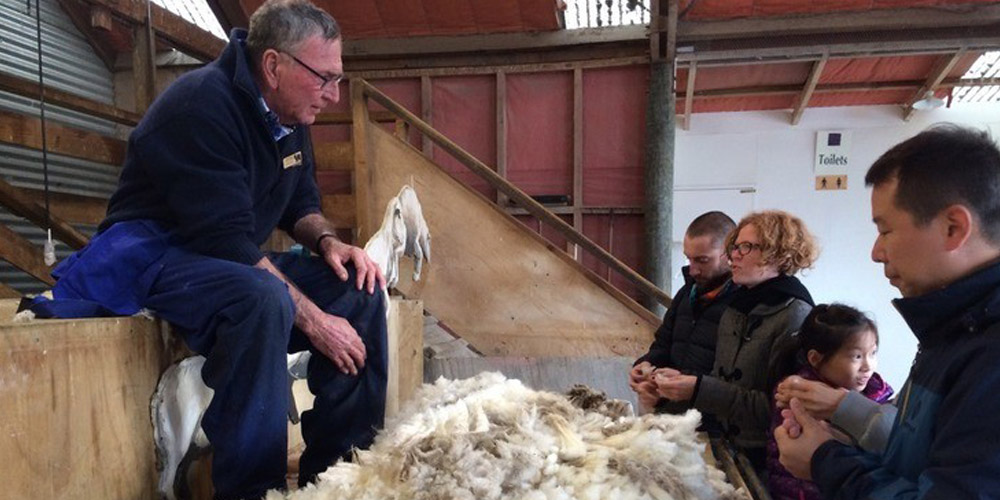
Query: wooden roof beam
x,y
173,29
689,94
26,131
907,23
81,18
808,89
862,44
23,255
20,203
840,87
910,18
230,14
942,67
28,88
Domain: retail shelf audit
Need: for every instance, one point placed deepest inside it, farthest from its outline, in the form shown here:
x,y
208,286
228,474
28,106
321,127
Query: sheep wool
x,y
488,437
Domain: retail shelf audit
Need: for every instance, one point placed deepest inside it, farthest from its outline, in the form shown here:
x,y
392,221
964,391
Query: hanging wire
x,y
49,249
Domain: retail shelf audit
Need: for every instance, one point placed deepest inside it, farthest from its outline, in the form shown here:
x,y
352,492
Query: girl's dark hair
x,y
825,329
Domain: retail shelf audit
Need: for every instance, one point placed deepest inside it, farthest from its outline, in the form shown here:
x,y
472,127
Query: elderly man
x,y
685,342
936,204
220,160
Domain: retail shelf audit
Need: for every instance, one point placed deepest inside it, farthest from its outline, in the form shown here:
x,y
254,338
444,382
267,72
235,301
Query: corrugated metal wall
x,y
70,65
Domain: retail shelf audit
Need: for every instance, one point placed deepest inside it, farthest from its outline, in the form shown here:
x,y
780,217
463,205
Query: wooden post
x,y
577,156
362,174
427,113
406,352
143,63
501,110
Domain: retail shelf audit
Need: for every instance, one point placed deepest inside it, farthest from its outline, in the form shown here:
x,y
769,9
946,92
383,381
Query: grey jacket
x,y
737,390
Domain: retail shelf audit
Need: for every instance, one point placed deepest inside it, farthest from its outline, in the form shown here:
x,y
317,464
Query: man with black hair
x,y
936,204
685,342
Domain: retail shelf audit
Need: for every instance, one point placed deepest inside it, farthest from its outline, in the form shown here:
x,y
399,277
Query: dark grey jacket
x,y
749,343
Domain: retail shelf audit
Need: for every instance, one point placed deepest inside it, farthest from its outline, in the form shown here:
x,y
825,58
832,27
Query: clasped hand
x,y
651,383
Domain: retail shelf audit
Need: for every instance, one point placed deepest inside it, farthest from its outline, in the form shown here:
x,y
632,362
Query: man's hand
x,y
639,374
675,387
798,438
819,399
336,339
647,395
337,253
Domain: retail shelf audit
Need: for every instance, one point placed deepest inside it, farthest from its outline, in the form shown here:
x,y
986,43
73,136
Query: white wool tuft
x,y
24,316
491,438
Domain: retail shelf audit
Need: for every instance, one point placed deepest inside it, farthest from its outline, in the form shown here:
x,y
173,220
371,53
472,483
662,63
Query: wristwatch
x,y
326,234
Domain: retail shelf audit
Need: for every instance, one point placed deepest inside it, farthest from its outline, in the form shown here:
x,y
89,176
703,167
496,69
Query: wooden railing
x,y
362,90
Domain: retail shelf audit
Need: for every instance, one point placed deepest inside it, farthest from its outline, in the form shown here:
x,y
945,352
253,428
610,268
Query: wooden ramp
x,y
497,284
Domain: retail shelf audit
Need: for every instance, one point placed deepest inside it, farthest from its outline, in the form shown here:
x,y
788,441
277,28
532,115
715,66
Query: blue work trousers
x,y
241,319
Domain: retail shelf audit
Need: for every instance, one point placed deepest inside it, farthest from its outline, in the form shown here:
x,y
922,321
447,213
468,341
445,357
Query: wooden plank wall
x,y
506,290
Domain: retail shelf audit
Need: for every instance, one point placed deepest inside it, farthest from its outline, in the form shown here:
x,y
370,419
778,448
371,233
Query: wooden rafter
x,y
173,29
808,89
941,69
26,131
79,15
7,292
23,255
689,94
840,87
874,20
21,204
28,88
72,208
229,13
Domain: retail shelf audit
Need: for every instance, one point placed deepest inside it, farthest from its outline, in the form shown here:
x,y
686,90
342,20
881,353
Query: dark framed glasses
x,y
744,248
325,79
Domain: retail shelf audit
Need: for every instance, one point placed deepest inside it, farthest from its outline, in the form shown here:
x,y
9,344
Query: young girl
x,y
836,345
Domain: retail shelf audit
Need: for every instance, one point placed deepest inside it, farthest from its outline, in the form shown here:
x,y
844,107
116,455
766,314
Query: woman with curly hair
x,y
766,249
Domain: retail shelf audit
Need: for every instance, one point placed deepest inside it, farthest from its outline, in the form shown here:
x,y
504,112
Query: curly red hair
x,y
785,241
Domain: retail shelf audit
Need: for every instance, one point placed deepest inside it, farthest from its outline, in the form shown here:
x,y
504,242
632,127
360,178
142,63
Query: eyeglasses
x,y
744,248
326,79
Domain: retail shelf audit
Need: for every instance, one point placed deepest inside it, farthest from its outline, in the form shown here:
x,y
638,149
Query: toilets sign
x,y
833,150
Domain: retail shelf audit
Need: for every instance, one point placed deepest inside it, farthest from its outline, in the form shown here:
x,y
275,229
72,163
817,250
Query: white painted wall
x,y
724,152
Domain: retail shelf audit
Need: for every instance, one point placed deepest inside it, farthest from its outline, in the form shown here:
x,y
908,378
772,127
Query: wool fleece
x,y
491,438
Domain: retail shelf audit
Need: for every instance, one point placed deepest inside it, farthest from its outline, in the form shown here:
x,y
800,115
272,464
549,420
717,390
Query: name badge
x,y
292,160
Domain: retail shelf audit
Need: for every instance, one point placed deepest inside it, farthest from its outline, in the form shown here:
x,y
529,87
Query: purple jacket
x,y
781,483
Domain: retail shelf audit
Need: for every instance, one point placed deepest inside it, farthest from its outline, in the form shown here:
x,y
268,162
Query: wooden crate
x,y
75,408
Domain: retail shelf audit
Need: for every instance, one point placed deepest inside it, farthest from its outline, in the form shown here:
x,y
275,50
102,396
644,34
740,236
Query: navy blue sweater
x,y
945,442
202,162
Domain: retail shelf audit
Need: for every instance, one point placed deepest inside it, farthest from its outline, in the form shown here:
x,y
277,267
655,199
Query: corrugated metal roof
x,y
197,12
987,66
